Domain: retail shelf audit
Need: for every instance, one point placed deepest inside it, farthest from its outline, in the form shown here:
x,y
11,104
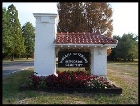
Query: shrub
x,y
33,80
70,79
99,82
51,81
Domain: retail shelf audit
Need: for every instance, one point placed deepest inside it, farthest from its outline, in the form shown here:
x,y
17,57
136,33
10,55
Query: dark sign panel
x,y
73,59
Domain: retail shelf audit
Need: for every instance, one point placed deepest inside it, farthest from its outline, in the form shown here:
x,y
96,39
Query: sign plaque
x,y
73,59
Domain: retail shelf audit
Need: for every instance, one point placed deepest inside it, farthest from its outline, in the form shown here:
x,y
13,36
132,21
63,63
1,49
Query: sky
x,y
125,14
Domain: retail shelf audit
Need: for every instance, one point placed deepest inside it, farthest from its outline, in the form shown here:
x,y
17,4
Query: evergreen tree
x,y
17,46
6,38
28,33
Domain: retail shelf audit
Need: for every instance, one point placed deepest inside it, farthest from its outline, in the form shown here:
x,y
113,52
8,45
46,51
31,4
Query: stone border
x,y
116,90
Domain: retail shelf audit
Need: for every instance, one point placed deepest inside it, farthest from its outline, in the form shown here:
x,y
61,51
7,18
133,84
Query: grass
x,y
124,74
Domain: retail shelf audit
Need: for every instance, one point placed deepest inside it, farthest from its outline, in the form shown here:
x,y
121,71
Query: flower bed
x,y
71,81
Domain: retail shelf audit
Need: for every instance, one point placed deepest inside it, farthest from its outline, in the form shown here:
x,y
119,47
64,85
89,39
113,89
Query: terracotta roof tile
x,y
83,38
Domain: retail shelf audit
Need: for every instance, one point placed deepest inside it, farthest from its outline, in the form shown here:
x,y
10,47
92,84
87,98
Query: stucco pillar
x,y
44,54
99,61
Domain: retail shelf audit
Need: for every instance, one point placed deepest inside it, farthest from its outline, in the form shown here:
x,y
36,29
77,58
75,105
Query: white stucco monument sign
x,y
48,42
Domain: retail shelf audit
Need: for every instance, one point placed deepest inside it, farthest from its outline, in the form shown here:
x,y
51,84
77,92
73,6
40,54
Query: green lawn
x,y
123,74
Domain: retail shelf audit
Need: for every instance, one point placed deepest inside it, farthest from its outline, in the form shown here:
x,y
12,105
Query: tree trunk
x,y
27,57
12,57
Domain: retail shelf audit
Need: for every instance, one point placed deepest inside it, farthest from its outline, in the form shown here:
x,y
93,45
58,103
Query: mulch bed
x,y
115,90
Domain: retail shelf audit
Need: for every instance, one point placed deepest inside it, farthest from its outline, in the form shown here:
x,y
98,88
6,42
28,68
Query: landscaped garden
x,y
122,74
70,80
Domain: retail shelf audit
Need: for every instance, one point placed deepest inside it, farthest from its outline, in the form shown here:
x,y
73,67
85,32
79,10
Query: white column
x,y
99,61
44,55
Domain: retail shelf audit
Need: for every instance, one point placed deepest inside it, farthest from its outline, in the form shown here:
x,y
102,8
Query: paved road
x,y
11,67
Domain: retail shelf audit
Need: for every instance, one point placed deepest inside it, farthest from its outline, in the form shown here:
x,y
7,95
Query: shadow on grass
x,y
123,62
127,64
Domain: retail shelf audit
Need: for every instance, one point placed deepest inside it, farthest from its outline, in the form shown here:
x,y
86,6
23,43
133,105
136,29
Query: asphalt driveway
x,y
12,67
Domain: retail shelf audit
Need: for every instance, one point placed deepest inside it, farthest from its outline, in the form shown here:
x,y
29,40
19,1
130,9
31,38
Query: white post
x,y
99,61
45,32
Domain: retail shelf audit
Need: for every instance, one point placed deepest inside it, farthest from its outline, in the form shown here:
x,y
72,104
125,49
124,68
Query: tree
x,y
85,17
17,42
113,54
28,33
127,47
71,15
6,43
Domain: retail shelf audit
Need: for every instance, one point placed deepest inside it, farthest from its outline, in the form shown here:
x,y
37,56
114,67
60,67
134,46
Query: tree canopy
x,y
6,44
127,47
28,32
85,17
12,36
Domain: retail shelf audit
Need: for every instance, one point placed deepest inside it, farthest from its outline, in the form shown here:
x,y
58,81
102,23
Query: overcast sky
x,y
125,14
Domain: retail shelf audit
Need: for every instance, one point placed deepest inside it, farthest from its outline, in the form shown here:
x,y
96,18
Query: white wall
x,y
44,55
99,61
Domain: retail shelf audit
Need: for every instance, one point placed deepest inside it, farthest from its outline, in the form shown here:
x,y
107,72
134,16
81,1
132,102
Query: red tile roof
x,y
83,38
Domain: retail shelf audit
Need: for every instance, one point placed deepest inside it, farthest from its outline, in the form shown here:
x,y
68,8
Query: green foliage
x,y
13,40
7,39
85,17
28,33
127,47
